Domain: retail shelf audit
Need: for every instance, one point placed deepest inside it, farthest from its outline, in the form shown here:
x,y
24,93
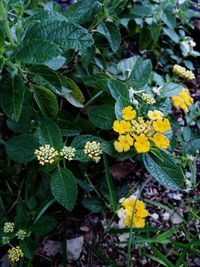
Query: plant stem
x,y
3,15
110,184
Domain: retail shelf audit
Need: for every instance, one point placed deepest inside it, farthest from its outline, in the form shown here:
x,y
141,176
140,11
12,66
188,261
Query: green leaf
x,y
44,225
165,170
102,116
48,132
21,148
94,204
192,146
112,34
140,73
12,96
65,34
46,100
171,89
145,38
168,18
37,51
127,64
172,34
164,105
82,11
64,187
139,11
121,103
118,88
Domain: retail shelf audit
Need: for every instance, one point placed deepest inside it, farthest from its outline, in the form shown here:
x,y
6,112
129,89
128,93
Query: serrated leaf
x,y
82,11
64,187
112,34
37,51
165,170
164,105
102,116
12,96
65,34
171,89
117,88
21,148
121,103
140,73
127,64
46,100
48,132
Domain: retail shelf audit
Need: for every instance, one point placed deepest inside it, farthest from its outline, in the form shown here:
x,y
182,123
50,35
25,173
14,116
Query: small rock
x,y
176,219
74,248
197,261
154,216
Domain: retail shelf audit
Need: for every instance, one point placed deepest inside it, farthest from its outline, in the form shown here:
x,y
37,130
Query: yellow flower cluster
x,y
68,152
46,154
15,253
183,72
183,100
132,207
148,99
139,133
8,227
93,150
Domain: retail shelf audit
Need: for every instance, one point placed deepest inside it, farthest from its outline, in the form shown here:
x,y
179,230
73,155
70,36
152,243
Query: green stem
x,y
3,15
110,184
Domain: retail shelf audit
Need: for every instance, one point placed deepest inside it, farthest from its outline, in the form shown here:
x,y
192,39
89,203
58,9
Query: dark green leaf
x,y
93,204
171,89
121,103
118,88
168,18
192,146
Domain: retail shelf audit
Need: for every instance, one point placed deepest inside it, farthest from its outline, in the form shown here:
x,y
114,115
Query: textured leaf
x,y
46,100
127,64
66,35
12,96
21,148
140,73
165,170
118,88
192,146
102,116
168,18
82,11
171,89
48,132
164,105
112,34
37,51
121,103
64,188
172,34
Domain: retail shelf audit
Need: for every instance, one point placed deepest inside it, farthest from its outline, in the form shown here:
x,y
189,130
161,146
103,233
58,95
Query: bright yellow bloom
x,y
183,100
15,253
161,125
121,127
128,206
124,143
160,141
183,73
142,145
128,113
155,115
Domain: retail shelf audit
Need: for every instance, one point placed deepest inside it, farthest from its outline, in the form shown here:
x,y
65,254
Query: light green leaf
x,y
21,148
168,18
64,187
172,34
121,103
102,116
37,51
140,73
171,89
165,170
48,132
46,100
65,34
118,88
12,96
192,146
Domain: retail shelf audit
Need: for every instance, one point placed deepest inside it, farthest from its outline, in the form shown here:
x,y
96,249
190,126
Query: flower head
x,y
161,125
183,73
132,207
155,115
160,141
5,240
183,100
148,99
68,152
21,234
142,145
8,227
93,150
46,154
128,113
124,143
121,127
15,253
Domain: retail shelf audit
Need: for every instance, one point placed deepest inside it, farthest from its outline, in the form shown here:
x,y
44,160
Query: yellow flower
x,y
155,115
15,253
183,100
121,127
46,154
162,125
142,145
124,143
160,141
128,113
182,72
